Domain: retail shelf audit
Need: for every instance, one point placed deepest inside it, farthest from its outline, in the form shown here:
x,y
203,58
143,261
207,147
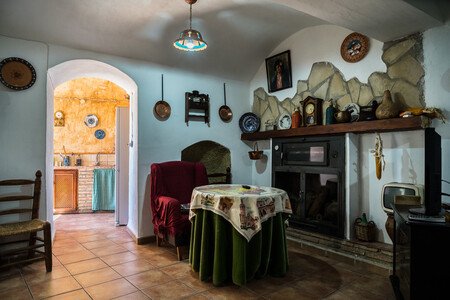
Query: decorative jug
x,y
387,109
296,118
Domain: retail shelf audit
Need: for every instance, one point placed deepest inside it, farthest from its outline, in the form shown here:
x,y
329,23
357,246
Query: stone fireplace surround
x,y
404,78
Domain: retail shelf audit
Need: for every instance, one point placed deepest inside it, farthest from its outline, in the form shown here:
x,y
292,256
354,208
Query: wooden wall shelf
x,y
397,124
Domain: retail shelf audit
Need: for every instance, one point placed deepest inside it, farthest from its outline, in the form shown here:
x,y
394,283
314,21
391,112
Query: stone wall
x,y
78,98
404,78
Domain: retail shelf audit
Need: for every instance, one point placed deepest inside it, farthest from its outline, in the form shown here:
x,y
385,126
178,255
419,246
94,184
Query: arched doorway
x,y
90,68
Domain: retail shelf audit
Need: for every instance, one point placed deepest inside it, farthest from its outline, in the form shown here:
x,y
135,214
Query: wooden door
x,y
65,189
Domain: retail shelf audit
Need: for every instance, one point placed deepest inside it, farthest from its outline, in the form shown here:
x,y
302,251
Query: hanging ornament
x,y
379,157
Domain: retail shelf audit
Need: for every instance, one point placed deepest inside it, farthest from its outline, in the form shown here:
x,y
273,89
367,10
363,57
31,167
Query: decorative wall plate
x,y
91,120
284,121
354,47
100,134
17,74
249,122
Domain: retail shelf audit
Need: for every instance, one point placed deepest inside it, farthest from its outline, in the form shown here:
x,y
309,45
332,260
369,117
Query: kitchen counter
x,y
85,184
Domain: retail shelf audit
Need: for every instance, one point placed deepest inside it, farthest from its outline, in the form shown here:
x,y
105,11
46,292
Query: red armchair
x,y
171,184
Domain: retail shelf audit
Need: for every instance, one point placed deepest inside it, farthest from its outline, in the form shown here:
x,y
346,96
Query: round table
x,y
238,232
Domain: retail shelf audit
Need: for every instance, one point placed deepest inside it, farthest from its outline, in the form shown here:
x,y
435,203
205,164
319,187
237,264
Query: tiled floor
x,y
95,260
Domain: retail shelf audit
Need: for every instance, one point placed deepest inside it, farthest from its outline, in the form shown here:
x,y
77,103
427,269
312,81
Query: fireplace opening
x,y
311,171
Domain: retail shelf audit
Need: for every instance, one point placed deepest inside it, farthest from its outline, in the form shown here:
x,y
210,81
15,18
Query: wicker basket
x,y
365,231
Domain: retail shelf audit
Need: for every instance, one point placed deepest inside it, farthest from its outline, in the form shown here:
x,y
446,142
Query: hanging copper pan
x,y
225,112
162,109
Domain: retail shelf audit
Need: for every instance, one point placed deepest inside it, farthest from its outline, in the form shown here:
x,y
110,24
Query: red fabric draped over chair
x,y
171,184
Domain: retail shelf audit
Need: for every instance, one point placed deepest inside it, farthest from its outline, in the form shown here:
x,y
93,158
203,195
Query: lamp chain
x,y
190,16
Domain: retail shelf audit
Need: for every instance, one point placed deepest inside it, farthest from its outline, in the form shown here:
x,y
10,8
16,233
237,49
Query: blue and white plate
x,y
249,123
100,134
91,120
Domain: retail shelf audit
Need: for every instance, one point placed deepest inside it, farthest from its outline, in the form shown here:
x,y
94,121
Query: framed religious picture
x,y
279,72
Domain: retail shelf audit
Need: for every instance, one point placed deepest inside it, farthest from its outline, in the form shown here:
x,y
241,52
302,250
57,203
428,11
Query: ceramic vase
x,y
296,119
387,109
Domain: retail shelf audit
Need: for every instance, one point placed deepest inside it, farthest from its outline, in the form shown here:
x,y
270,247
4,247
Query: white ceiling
x,y
240,33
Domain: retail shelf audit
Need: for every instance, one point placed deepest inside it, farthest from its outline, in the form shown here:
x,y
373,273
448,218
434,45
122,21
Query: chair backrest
x,y
177,179
15,195
220,178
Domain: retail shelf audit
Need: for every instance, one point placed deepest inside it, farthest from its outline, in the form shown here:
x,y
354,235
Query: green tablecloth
x,y
219,252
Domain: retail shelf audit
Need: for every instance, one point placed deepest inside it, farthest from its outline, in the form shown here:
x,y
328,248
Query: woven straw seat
x,y
23,245
10,229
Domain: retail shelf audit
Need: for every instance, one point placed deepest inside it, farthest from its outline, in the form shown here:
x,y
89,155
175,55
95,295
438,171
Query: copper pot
x,y
162,109
225,112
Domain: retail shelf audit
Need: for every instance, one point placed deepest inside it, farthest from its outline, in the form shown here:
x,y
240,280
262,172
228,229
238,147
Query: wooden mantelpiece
x,y
397,124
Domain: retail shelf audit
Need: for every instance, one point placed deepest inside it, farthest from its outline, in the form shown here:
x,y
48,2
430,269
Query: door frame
x,y
91,68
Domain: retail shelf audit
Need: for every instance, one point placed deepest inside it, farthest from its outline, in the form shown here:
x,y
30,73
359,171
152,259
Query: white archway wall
x,y
91,68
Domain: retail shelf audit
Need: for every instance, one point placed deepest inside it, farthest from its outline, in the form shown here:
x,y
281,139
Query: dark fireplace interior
x,y
311,171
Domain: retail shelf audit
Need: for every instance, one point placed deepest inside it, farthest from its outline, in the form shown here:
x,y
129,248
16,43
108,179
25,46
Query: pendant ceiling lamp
x,y
190,39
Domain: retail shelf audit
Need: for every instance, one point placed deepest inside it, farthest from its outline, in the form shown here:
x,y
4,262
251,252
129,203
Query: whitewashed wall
x,y
23,116
436,54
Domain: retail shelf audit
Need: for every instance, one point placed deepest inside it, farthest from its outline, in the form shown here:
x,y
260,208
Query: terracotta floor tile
x,y
162,260
287,293
131,246
198,296
10,272
66,242
108,250
315,286
37,276
85,266
119,258
90,238
97,277
54,287
133,267
232,292
18,293
265,285
75,295
313,273
149,278
134,296
121,239
177,270
12,282
195,283
99,244
75,257
111,289
349,292
169,290
67,249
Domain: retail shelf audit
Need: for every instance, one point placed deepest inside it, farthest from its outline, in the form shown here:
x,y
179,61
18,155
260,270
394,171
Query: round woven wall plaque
x,y
16,73
354,47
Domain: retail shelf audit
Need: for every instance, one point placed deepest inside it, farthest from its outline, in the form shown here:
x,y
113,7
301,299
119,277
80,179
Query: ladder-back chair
x,y
19,242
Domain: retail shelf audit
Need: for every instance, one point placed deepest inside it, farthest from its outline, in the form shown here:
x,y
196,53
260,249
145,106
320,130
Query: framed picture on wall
x,y
279,72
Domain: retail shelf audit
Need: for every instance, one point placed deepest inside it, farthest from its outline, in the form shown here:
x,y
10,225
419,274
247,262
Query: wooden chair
x,y
220,178
19,241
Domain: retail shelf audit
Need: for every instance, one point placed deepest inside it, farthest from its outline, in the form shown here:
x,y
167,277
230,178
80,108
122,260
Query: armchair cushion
x,y
171,184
